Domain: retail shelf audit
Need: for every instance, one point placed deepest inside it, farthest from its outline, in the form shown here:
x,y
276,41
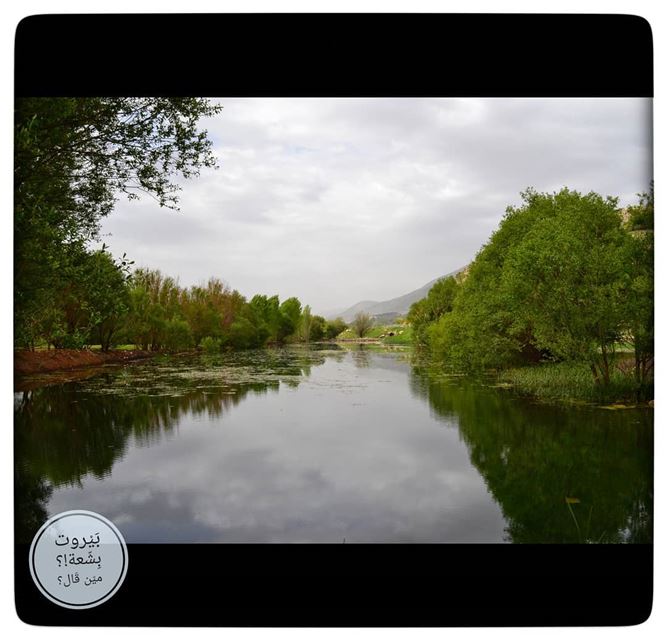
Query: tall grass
x,y
574,381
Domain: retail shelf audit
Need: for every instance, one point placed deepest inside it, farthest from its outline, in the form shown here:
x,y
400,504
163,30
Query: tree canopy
x,y
73,158
566,276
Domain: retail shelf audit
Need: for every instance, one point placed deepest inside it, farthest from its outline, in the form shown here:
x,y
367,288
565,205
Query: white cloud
x,y
338,200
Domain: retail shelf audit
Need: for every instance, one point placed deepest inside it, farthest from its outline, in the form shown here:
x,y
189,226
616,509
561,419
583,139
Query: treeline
x,y
565,277
102,302
73,158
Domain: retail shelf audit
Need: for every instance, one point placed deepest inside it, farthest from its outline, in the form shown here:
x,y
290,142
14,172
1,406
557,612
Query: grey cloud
x,y
346,199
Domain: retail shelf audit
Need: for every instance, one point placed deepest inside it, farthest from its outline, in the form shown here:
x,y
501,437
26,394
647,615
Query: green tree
x,y
306,324
73,157
177,335
317,328
439,300
89,301
109,299
640,216
639,298
211,345
561,278
242,334
290,317
481,332
567,278
334,328
267,312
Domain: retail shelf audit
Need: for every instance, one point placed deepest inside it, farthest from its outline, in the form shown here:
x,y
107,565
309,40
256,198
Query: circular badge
x,y
78,559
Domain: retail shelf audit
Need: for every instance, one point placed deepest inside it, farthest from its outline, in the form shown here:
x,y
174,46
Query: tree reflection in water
x,y
560,474
66,431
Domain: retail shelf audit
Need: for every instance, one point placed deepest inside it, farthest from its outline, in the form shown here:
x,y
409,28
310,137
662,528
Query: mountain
x,y
390,309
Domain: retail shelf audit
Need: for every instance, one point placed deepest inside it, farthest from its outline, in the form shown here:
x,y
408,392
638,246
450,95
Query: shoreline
x,y
28,363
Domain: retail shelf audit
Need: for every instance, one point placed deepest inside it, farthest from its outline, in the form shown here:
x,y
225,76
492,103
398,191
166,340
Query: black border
x,y
501,55
458,55
364,585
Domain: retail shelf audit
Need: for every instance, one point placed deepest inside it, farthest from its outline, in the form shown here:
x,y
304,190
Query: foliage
x,y
440,300
334,328
640,216
73,157
87,303
290,317
306,323
242,335
164,315
108,296
318,328
639,307
177,335
102,303
567,278
532,456
561,279
361,324
268,316
211,345
573,381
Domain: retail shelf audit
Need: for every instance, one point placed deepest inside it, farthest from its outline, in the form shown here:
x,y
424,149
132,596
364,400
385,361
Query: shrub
x,y
334,328
242,335
211,345
177,335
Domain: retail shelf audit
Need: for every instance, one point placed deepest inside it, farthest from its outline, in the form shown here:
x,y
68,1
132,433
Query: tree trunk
x,y
595,373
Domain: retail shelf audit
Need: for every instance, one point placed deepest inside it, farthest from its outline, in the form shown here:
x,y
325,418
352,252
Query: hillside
x,y
390,309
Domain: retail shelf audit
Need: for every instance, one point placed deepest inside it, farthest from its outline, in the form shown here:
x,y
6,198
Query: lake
x,y
326,444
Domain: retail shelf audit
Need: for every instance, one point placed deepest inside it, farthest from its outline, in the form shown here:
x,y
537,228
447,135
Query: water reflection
x,y
560,474
324,444
65,432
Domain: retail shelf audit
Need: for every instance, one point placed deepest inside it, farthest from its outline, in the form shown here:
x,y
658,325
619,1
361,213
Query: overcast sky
x,y
340,200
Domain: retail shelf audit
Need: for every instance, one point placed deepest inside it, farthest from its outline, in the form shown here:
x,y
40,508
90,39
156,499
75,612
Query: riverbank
x,y
48,360
573,381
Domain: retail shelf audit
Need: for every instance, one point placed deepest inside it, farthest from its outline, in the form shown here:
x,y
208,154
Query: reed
x,y
574,381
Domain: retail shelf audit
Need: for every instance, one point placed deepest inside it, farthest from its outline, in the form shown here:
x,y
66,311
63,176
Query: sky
x,y
340,200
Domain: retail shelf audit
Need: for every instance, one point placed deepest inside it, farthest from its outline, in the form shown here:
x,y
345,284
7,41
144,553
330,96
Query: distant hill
x,y
388,310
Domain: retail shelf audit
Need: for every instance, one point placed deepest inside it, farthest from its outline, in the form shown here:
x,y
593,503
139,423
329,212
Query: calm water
x,y
326,445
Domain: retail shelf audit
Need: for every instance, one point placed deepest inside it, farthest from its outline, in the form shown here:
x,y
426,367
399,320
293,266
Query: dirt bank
x,y
41,361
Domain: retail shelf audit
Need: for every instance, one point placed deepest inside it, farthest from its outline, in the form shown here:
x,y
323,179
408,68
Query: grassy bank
x,y
574,381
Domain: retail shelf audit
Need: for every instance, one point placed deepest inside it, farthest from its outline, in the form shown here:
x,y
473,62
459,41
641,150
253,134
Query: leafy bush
x,y
210,344
242,335
76,340
177,335
334,328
